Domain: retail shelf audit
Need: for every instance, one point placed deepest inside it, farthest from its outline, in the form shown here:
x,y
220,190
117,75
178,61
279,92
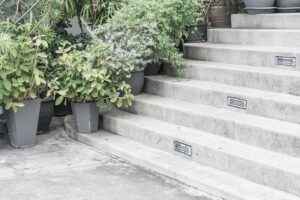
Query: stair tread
x,y
214,181
240,47
245,68
218,143
251,92
283,127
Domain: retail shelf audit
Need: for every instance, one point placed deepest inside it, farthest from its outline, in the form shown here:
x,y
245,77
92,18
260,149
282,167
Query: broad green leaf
x,y
49,92
32,94
108,103
7,84
100,102
80,89
63,92
120,102
59,100
22,89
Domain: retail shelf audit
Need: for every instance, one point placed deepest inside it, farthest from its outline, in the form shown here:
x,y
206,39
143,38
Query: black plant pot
x,y
136,81
22,125
86,117
63,110
196,33
46,114
152,69
3,128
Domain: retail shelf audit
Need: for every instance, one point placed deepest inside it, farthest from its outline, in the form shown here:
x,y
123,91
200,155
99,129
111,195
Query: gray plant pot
x,y
288,9
261,10
136,81
46,114
288,3
22,125
152,69
86,117
259,3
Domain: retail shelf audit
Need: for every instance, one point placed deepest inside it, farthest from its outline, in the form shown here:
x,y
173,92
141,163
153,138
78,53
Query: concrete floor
x,y
61,168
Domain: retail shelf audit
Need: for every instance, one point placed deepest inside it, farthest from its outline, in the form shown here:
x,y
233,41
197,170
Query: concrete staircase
x,y
231,126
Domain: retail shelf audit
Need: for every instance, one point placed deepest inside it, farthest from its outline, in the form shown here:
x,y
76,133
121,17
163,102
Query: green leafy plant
x,y
87,76
21,65
149,31
93,11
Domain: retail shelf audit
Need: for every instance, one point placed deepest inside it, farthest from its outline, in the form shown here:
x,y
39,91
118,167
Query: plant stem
x,y
30,9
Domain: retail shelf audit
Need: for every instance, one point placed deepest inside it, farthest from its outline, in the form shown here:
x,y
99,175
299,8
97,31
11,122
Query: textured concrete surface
x,y
263,56
63,169
263,78
268,37
261,103
256,164
249,129
216,182
267,21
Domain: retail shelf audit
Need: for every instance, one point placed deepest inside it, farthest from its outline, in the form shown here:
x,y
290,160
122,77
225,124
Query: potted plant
x,y
259,6
144,32
87,79
198,31
130,53
21,61
220,11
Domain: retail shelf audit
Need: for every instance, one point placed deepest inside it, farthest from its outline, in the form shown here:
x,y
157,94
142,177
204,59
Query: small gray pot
x,y
260,10
259,3
136,81
288,3
288,9
22,125
86,117
152,69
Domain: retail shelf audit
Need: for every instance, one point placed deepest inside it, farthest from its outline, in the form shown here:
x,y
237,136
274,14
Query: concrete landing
x,y
61,168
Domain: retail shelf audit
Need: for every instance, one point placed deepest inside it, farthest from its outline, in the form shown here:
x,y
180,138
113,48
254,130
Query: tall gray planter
x,y
86,117
22,125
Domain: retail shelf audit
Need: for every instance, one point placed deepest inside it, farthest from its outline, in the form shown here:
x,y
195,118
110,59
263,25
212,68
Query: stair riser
x,y
239,56
268,38
213,157
255,105
266,21
227,127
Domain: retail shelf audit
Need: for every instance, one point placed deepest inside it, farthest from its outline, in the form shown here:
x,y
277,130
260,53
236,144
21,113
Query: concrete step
x,y
270,134
260,37
263,78
263,56
266,21
258,165
256,102
224,185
